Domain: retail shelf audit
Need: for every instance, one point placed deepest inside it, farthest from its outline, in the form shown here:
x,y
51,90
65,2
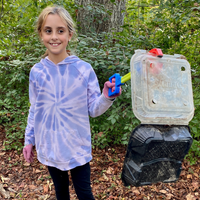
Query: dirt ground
x,y
21,180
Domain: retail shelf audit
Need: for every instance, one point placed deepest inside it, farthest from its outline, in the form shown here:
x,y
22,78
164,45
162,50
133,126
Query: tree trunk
x,y
100,15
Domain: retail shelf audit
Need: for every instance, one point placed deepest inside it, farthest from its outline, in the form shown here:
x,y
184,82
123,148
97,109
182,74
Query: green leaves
x,y
172,26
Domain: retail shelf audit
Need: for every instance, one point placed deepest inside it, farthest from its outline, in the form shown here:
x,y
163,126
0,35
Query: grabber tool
x,y
121,80
118,82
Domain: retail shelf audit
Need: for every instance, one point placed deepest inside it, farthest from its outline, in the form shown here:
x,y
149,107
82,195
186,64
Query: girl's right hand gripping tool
x,y
118,82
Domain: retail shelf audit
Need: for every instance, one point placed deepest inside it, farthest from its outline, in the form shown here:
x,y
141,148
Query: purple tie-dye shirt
x,y
62,97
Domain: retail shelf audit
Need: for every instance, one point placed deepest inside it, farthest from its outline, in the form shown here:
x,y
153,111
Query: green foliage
x,y
171,25
14,74
108,55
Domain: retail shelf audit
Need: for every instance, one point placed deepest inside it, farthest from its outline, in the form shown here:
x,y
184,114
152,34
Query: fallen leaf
x,y
105,177
182,173
190,197
163,191
40,188
101,179
3,192
189,176
26,164
195,185
169,196
159,198
136,191
109,170
22,185
44,197
46,188
32,187
4,179
112,197
11,190
12,194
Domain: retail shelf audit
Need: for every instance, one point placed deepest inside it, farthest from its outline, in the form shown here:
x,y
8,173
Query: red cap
x,y
156,51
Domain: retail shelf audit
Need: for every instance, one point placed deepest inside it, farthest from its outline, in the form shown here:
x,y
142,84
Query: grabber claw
x,y
117,85
118,82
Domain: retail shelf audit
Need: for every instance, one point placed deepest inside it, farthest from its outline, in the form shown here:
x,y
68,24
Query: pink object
x,y
108,85
155,67
28,153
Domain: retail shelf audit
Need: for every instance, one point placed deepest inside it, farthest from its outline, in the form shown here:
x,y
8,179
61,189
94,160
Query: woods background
x,y
108,33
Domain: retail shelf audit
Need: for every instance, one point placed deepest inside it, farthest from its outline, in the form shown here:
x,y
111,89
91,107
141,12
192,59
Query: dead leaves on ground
x,y
107,167
21,180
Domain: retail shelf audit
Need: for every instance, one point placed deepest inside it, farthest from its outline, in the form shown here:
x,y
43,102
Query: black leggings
x,y
81,180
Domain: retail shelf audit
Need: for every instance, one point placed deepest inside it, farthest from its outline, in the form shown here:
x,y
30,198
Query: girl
x,y
63,92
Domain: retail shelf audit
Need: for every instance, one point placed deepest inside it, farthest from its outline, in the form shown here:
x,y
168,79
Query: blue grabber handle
x,y
117,85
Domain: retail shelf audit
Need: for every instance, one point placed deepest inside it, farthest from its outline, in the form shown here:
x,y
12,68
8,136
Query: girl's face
x,y
55,36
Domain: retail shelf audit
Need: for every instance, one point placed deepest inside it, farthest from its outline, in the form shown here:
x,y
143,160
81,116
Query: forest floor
x,y
21,180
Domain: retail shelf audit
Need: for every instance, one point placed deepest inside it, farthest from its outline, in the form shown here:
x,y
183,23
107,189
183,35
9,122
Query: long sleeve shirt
x,y
62,97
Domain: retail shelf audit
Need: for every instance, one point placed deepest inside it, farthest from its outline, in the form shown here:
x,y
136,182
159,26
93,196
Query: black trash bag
x,y
155,154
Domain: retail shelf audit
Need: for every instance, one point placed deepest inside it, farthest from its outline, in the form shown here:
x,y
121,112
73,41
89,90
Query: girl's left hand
x,y
28,153
108,85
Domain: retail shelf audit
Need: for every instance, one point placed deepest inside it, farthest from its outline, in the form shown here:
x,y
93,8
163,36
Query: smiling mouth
x,y
54,44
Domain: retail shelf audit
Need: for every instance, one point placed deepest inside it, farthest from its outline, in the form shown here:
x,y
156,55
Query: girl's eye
x,y
60,31
48,31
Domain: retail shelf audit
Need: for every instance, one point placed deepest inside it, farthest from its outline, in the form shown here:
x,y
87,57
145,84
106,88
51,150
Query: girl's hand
x,y
28,153
108,85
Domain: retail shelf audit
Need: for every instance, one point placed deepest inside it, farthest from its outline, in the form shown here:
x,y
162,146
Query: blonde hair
x,y
62,13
